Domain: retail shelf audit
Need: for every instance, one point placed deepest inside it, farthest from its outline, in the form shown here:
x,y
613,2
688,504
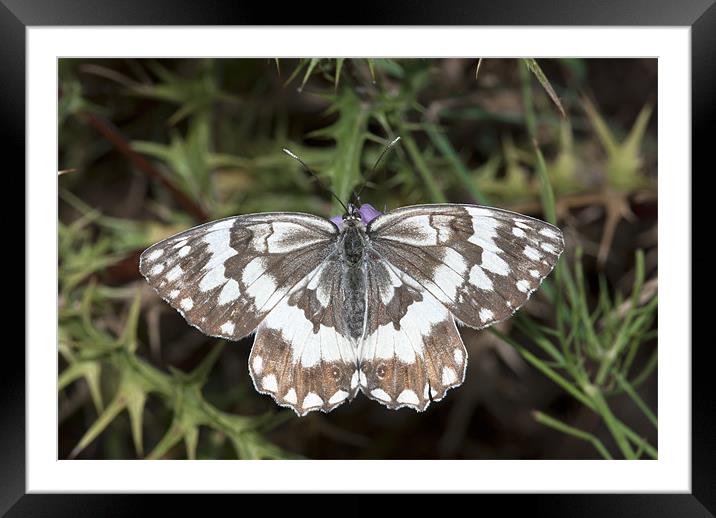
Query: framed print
x,y
425,255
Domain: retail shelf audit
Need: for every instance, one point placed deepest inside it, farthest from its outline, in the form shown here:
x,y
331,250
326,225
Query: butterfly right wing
x,y
226,276
430,265
481,263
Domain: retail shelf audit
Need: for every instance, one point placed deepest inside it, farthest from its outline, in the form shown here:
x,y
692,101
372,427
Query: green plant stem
x,y
527,105
647,370
574,432
195,411
350,133
443,145
602,408
621,339
575,392
547,193
532,66
627,387
436,194
545,369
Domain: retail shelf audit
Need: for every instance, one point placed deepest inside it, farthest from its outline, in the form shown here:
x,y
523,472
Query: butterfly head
x,y
355,214
352,214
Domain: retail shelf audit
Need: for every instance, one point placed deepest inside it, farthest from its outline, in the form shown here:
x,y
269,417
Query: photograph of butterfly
x,y
369,303
248,245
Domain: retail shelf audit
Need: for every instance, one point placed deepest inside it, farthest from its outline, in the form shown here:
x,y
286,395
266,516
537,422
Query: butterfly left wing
x,y
225,276
302,356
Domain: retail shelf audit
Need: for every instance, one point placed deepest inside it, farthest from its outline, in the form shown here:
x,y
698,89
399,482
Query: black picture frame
x,y
17,15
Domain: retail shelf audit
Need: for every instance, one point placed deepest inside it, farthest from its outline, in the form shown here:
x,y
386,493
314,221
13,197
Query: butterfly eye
x,y
381,371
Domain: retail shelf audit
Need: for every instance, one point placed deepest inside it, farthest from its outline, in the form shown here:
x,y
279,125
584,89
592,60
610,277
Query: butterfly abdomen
x,y
354,300
353,280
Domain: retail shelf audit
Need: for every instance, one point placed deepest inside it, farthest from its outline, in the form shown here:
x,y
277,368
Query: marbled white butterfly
x,y
364,302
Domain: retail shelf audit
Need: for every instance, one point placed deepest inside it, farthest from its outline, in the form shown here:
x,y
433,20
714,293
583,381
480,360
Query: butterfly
x,y
367,302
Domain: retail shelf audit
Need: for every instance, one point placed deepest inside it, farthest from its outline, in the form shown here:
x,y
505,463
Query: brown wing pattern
x,y
302,355
224,277
411,353
429,266
481,263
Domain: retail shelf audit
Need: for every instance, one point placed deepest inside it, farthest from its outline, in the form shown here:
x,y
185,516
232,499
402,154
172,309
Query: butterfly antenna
x,y
375,166
312,173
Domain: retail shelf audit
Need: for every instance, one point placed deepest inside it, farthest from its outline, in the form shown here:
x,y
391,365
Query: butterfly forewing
x,y
481,263
227,275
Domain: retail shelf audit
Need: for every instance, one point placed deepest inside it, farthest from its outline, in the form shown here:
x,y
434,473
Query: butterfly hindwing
x,y
411,353
481,263
301,355
224,277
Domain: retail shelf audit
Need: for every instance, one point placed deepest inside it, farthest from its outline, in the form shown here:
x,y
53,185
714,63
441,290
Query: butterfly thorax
x,y
353,242
352,245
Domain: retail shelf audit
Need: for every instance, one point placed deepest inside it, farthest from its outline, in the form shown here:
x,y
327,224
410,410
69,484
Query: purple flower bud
x,y
368,213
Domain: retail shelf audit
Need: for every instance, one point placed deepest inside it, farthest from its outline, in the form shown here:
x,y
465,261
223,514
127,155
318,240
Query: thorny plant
x,y
210,166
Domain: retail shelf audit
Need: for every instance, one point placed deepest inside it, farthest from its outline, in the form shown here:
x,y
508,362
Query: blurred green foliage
x,y
207,137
